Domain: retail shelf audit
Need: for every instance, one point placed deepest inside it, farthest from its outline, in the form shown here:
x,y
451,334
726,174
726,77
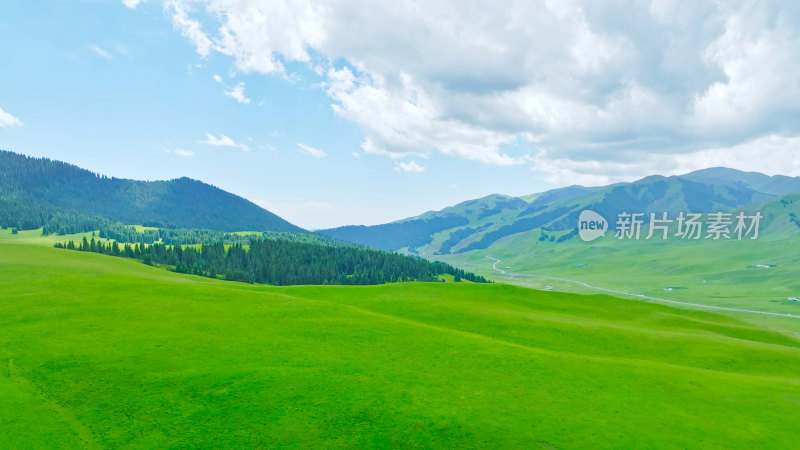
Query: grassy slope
x,y
722,273
102,351
34,237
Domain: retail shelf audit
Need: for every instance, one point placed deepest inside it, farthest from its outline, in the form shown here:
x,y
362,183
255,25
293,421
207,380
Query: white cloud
x,y
222,141
356,155
410,166
257,33
132,4
759,55
237,93
7,120
772,155
188,27
311,151
183,153
545,81
403,121
100,52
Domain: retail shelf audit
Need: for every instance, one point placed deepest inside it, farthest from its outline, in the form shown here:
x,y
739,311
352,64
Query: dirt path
x,y
637,296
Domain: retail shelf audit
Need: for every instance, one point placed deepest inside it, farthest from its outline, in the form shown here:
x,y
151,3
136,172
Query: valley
x,y
305,224
609,343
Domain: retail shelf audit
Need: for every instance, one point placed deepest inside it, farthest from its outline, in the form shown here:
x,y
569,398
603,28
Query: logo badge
x,y
591,225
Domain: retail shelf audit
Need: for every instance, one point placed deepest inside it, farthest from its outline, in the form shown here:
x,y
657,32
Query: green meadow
x,y
104,352
34,237
749,274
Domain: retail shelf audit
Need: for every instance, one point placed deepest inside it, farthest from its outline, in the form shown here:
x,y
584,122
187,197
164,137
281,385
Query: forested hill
x,y
282,262
35,192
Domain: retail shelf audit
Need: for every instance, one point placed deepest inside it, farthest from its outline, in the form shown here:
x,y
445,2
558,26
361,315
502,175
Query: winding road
x,y
637,296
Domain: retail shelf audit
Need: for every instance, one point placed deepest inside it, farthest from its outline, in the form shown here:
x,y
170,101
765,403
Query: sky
x,y
364,112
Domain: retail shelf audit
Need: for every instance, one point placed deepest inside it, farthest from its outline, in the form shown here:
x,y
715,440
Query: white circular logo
x,y
591,225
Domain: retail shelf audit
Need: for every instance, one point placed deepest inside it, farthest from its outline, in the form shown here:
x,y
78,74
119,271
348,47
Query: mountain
x,y
36,191
774,185
416,231
478,224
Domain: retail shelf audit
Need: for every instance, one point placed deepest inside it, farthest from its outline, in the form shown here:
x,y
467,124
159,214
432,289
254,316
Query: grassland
x,y
34,237
97,351
749,274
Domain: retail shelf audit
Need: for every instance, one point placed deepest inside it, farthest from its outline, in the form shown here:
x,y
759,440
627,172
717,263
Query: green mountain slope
x,y
654,194
106,352
34,191
747,274
479,224
419,231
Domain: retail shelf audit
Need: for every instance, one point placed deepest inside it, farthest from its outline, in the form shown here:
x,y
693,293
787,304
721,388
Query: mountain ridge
x,y
481,222
34,191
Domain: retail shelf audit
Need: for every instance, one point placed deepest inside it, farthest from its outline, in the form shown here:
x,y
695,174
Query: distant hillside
x,y
774,185
479,224
35,192
417,231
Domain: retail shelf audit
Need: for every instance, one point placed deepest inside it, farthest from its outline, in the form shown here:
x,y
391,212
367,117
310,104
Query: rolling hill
x,y
36,191
97,352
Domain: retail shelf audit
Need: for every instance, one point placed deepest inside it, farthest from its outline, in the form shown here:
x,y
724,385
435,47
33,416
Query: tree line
x,y
281,262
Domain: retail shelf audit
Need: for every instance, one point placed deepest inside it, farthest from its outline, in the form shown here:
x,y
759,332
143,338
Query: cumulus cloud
x,y
7,120
222,141
311,151
772,155
237,93
573,83
188,27
410,166
183,153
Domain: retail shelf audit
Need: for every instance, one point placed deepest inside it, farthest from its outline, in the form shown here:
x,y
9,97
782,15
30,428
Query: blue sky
x,y
361,112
